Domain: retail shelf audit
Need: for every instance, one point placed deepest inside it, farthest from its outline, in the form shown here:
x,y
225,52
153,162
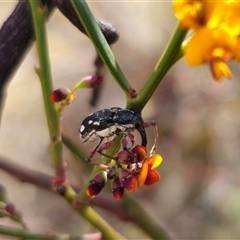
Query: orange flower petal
x,y
154,161
149,163
152,177
220,69
131,183
141,152
143,173
199,46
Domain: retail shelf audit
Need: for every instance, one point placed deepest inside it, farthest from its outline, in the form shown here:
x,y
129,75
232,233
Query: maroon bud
x,y
140,152
97,184
96,81
60,94
123,157
10,208
117,188
89,82
129,180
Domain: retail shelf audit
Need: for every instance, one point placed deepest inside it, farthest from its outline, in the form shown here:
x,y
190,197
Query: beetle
x,y
111,123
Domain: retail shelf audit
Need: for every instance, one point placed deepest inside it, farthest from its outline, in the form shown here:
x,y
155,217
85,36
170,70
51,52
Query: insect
x,y
111,123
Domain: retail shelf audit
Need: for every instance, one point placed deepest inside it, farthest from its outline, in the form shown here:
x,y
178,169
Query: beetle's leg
x,y
124,143
93,151
152,123
105,146
131,138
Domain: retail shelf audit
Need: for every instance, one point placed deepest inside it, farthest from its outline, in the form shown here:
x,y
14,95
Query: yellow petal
x,y
143,173
199,46
188,12
220,69
154,161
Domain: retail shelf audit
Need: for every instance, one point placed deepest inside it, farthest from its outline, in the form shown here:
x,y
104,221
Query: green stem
x,y
143,219
90,215
171,54
44,72
106,229
77,151
101,44
23,234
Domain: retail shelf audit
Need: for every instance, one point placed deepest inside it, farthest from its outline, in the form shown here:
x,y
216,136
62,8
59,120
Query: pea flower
x,y
215,47
216,38
198,13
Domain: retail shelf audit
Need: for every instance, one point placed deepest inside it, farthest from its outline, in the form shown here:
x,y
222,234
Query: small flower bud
x,y
60,94
129,180
89,82
123,157
97,184
117,188
10,208
140,151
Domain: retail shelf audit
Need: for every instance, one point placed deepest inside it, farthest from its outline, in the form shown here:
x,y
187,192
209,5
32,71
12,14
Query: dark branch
x,y
66,8
45,181
16,35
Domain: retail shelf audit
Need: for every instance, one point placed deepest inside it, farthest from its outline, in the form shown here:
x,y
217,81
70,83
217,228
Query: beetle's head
x,y
87,133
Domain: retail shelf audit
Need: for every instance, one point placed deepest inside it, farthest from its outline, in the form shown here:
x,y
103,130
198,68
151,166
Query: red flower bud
x,y
140,151
97,184
123,157
89,82
117,188
129,180
60,94
10,208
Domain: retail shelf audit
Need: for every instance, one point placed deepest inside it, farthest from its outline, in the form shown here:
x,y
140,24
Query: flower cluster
x,y
216,38
129,170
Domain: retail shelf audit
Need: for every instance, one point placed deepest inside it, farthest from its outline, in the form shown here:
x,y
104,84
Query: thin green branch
x,y
171,54
77,151
23,234
54,126
90,215
101,45
44,71
148,224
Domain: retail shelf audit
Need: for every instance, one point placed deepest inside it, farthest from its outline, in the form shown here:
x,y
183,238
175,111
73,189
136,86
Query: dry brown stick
x,y
43,180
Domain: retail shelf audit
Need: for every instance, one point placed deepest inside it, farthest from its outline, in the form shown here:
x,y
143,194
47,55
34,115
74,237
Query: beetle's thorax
x,y
110,122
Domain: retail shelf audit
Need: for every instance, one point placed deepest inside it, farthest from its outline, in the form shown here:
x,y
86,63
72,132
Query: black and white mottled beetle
x,y
111,122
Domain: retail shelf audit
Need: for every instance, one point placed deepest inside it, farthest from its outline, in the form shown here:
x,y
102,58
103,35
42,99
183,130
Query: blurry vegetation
x,y
197,119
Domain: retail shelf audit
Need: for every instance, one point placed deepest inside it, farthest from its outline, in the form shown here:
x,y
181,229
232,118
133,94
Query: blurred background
x,y
198,120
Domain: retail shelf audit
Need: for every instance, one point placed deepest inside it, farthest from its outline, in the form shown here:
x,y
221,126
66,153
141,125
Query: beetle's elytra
x,y
111,122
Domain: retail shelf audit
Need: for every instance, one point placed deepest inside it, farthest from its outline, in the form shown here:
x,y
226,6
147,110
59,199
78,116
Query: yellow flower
x,y
199,13
148,175
214,47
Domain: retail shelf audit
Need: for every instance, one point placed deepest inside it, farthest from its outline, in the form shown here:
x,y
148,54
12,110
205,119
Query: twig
x,y
109,31
16,35
43,180
23,234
